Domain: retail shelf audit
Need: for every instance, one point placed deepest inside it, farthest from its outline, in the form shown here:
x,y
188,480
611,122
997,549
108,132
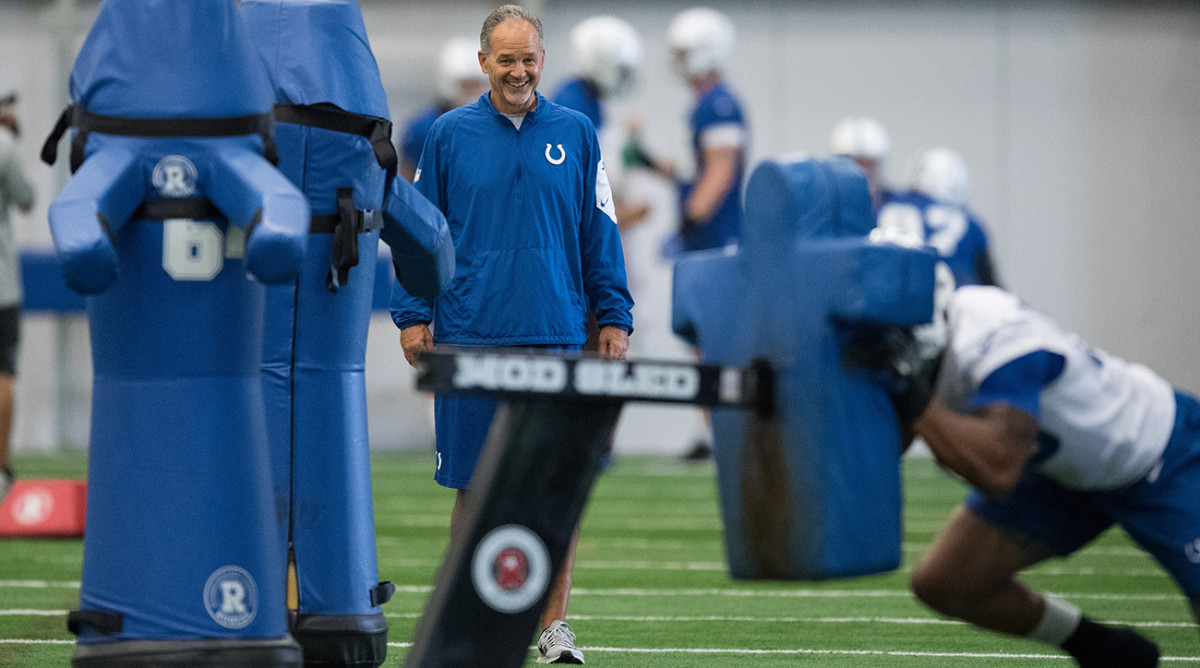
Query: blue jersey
x,y
413,139
952,230
582,96
717,117
534,229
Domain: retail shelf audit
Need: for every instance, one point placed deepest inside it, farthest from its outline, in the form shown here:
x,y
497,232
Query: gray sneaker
x,y
557,644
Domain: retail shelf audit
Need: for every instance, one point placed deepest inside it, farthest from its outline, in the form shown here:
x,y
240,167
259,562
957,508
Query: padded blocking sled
x,y
172,213
44,509
812,492
543,453
533,478
334,143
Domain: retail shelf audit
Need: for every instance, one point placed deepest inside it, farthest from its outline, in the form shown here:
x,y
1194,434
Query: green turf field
x,y
650,584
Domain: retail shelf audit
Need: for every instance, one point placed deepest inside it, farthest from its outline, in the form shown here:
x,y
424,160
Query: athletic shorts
x,y
10,336
460,425
1161,511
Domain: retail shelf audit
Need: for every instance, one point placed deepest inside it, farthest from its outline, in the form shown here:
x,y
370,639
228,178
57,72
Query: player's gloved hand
x,y
904,362
689,228
634,154
873,347
911,392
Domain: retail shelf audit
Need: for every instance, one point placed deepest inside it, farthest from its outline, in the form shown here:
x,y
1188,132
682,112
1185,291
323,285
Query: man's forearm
x,y
989,448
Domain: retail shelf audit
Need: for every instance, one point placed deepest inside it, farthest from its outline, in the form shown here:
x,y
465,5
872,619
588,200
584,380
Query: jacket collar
x,y
485,102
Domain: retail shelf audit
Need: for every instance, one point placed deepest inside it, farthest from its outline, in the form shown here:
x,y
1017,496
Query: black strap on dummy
x,y
105,622
326,116
347,222
85,122
345,225
165,208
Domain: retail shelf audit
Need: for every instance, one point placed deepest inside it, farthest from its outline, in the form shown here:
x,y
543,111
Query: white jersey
x,y
1111,418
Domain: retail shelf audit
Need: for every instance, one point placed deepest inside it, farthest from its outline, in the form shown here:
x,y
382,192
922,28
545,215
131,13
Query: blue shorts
x,y
460,425
1162,515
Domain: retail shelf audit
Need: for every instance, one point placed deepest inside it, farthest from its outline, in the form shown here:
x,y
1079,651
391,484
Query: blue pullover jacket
x,y
534,229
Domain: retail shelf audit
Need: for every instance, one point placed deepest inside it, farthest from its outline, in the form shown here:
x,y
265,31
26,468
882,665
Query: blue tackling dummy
x,y
334,142
171,213
810,490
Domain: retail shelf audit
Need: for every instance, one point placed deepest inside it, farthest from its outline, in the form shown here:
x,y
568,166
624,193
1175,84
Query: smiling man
x,y
523,188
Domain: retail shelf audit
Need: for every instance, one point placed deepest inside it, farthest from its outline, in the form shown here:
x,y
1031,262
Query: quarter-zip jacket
x,y
534,229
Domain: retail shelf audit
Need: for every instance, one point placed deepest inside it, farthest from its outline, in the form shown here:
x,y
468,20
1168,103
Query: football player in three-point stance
x,y
1060,441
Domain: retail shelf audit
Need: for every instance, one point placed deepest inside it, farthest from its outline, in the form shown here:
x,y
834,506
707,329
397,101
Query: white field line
x,y
737,651
642,543
39,584
732,593
929,621
718,566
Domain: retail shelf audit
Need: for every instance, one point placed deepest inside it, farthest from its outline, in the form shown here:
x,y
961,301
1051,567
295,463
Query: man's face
x,y
514,66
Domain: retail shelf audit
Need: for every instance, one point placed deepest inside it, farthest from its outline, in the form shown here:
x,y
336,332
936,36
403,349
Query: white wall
x,y
1079,122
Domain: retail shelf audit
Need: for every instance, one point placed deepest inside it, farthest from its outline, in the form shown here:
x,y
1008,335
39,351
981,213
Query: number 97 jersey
x,y
949,228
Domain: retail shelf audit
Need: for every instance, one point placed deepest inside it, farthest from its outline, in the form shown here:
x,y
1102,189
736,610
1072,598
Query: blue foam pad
x,y
814,491
178,437
168,59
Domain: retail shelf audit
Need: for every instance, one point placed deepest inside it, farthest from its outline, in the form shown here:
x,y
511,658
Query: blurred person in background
x,y
863,140
935,208
521,182
606,53
701,41
459,81
710,204
15,190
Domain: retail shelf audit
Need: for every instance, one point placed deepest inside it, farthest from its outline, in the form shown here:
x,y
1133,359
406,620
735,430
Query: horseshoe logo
x,y
562,155
1192,551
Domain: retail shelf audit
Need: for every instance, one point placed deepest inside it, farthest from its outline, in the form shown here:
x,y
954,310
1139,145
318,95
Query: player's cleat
x,y
557,644
1098,646
701,452
6,482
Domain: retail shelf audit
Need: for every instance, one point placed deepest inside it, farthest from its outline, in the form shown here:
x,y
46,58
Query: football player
x,y
1059,441
701,42
863,140
606,53
460,81
935,207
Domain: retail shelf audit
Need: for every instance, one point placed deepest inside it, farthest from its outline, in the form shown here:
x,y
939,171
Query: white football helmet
x,y
941,174
459,73
704,37
607,51
860,137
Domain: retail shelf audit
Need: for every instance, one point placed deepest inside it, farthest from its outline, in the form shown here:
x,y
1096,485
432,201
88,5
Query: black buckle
x,y
103,621
382,593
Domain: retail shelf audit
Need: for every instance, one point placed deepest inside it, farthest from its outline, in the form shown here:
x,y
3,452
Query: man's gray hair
x,y
502,14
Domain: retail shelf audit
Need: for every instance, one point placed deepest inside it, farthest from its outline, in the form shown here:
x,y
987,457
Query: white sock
x,y
1059,621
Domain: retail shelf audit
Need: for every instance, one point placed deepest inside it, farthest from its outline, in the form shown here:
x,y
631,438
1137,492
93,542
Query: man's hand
x,y
613,344
414,340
